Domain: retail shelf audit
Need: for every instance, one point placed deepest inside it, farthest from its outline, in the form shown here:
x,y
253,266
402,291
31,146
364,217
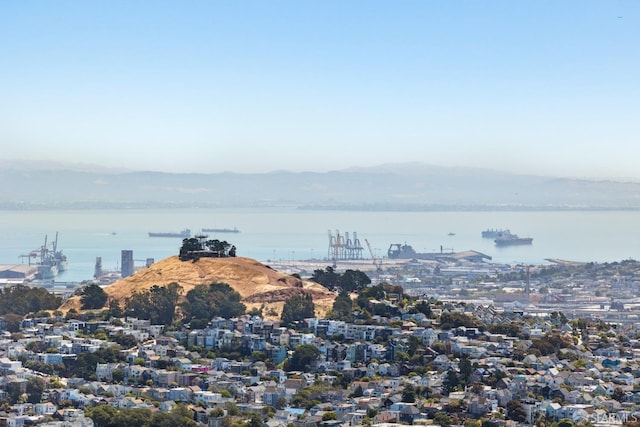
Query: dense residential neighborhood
x,y
514,347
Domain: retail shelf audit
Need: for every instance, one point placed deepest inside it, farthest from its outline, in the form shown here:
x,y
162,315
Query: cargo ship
x,y
184,234
404,251
493,233
51,261
220,230
56,256
508,239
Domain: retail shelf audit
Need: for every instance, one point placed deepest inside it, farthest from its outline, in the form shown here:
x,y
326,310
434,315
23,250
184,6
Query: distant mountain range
x,y
402,186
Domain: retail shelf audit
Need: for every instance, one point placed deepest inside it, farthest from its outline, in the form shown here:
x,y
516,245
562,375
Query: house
x,y
408,414
8,366
479,406
552,410
503,396
442,362
180,393
47,408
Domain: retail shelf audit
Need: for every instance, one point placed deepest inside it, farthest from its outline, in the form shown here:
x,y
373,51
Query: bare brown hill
x,y
258,284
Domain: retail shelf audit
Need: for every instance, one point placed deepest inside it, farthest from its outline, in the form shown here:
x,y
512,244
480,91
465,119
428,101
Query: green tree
x,y
93,296
565,422
357,392
452,320
102,415
327,277
117,375
189,245
132,417
511,329
327,416
255,421
374,292
208,248
281,402
618,394
424,308
298,307
442,419
221,247
36,365
350,280
85,364
302,358
157,304
207,301
14,392
114,308
516,411
451,381
439,347
72,314
465,369
125,340
21,299
353,280
558,317
409,394
342,307
12,322
35,388
216,413
164,419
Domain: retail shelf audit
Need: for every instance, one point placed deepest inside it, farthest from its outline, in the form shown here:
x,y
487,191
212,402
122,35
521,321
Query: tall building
x,y
127,263
97,271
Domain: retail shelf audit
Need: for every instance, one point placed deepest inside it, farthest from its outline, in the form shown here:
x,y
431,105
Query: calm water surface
x,y
290,234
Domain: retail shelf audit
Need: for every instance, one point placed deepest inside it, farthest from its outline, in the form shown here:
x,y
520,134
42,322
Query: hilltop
x,y
257,283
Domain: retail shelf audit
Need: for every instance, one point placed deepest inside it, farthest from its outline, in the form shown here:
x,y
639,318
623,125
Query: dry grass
x,y
258,284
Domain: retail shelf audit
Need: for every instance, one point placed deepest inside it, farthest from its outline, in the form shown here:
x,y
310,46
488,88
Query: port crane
x,y
376,263
334,247
32,254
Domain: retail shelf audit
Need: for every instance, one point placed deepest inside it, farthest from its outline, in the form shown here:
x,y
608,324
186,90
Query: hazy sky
x,y
545,87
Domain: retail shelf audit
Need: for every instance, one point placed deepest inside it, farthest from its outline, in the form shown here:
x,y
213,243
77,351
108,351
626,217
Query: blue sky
x,y
544,87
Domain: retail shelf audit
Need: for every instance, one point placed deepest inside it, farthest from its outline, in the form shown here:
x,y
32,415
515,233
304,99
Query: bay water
x,y
289,234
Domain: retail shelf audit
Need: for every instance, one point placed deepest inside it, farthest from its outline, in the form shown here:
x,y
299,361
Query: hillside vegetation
x,y
258,284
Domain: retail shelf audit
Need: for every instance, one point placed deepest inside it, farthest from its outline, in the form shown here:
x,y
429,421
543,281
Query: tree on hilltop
x,y
327,277
350,280
93,296
197,247
353,280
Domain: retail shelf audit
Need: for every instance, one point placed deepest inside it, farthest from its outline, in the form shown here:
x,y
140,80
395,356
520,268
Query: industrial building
x,y
17,273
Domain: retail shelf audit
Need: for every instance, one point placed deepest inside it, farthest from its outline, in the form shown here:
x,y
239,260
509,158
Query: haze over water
x,y
294,235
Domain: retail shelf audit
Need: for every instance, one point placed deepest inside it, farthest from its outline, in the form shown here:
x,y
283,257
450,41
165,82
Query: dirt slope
x,y
258,284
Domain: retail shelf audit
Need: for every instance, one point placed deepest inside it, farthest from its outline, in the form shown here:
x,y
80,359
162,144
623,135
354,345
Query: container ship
x,y
220,230
48,261
184,234
493,233
508,239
